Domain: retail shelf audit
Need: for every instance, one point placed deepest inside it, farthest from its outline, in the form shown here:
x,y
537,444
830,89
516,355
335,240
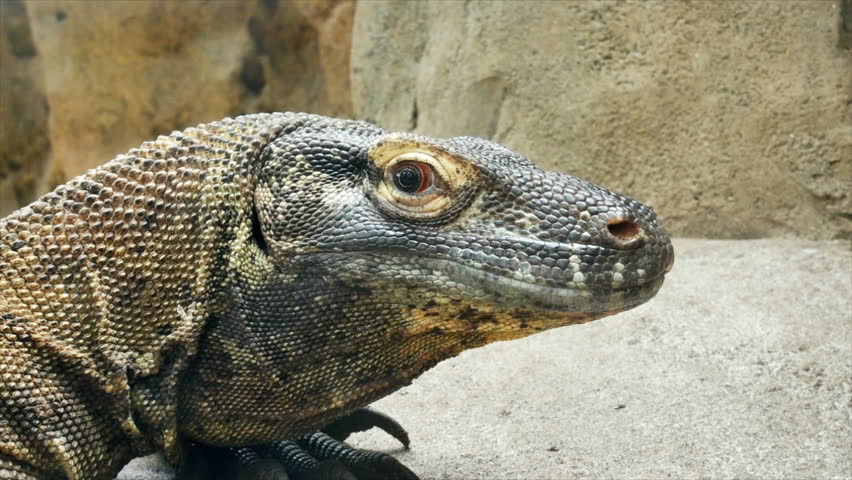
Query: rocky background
x,y
732,119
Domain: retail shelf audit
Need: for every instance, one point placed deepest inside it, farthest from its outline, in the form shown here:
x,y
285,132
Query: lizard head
x,y
459,235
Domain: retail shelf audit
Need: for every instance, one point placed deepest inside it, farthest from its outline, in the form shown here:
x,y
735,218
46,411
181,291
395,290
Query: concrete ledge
x,y
741,367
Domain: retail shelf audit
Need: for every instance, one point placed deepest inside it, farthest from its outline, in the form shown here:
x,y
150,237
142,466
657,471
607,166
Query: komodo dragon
x,y
248,286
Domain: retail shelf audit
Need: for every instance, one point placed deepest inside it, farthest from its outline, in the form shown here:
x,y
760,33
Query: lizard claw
x,y
364,419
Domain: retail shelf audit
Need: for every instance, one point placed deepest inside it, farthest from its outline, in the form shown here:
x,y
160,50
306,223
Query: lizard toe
x,y
301,465
365,464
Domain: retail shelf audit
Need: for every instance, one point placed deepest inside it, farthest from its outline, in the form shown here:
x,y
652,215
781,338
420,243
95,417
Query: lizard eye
x,y
413,180
413,177
415,183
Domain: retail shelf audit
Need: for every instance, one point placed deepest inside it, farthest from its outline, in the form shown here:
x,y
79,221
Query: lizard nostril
x,y
624,230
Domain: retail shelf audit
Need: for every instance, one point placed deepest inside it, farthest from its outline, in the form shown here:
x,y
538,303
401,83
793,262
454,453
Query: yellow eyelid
x,y
451,175
455,172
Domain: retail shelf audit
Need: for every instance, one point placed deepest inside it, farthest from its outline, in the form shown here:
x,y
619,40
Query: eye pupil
x,y
408,179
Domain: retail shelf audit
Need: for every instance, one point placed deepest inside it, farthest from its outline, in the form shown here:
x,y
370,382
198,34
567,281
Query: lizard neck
x,y
290,352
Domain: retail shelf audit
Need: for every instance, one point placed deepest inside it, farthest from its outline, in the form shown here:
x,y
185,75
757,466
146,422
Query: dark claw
x,y
363,420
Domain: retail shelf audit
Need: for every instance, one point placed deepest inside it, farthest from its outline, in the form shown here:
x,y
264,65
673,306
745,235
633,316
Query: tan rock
x,y
24,143
732,119
118,73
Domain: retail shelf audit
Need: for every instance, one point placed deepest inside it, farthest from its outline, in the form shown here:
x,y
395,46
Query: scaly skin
x,y
255,279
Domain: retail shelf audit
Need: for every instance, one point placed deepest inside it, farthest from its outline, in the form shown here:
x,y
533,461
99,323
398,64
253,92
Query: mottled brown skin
x,y
255,279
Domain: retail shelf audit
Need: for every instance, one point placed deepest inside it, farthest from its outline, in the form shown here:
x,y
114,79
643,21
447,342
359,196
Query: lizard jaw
x,y
510,293
462,283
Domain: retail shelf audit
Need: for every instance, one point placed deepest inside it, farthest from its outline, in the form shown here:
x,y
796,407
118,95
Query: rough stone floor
x,y
741,367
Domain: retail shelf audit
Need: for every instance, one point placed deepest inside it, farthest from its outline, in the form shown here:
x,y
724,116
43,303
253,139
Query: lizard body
x,y
258,278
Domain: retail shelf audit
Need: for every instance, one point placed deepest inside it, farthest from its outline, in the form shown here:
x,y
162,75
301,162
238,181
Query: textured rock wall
x,y
733,119
24,141
114,74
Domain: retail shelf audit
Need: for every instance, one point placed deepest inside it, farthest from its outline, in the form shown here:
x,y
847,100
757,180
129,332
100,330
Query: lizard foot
x,y
364,464
315,456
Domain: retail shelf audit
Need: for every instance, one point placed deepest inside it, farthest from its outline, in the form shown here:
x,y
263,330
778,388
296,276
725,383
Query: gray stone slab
x,y
741,367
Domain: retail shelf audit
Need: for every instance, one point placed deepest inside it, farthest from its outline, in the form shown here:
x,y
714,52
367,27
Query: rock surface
x,y
741,367
114,74
732,119
24,137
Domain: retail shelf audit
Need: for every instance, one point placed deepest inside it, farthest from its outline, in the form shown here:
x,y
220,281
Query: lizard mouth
x,y
512,293
456,279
